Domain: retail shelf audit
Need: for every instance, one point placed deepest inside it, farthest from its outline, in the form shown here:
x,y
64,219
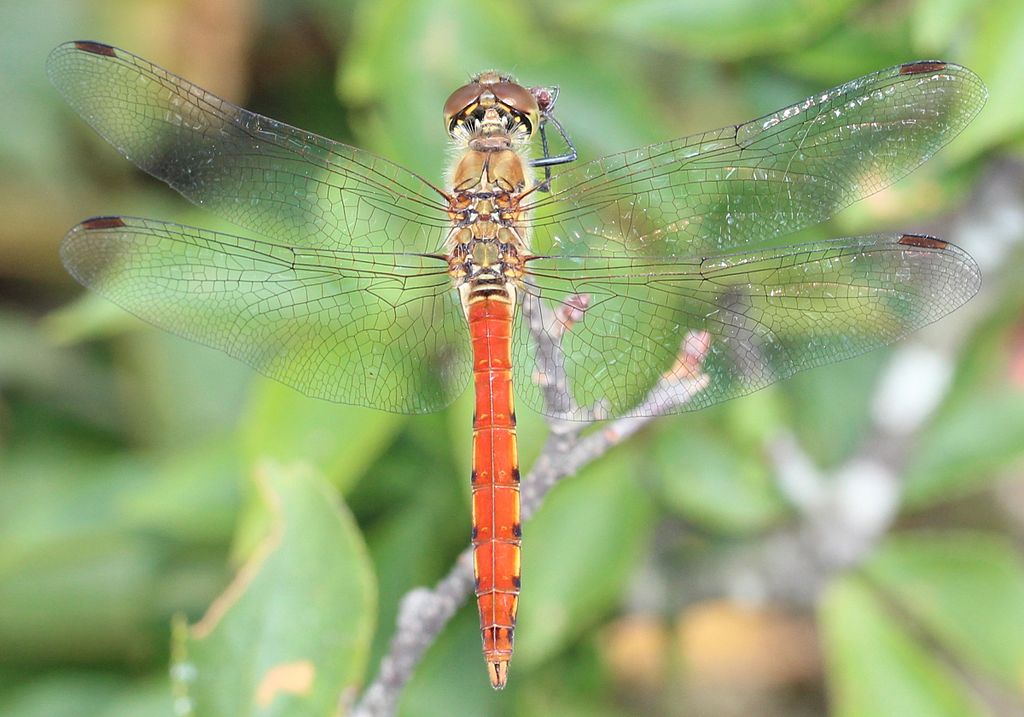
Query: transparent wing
x,y
369,328
767,314
733,188
284,183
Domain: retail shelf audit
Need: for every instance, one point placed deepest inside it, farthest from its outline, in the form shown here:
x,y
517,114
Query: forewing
x,y
286,184
368,328
737,187
767,314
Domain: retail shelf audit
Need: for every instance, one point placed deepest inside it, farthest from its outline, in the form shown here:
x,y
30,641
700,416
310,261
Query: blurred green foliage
x,y
307,591
128,459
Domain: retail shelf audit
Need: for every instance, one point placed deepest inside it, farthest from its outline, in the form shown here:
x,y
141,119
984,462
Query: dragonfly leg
x,y
547,161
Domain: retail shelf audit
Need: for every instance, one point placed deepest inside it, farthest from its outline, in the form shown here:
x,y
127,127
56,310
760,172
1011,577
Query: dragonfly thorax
x,y
484,210
487,239
495,259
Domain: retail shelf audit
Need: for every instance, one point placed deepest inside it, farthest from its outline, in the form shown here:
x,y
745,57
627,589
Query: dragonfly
x,y
597,289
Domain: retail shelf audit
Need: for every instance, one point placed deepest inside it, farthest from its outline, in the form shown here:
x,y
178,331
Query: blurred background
x,y
847,542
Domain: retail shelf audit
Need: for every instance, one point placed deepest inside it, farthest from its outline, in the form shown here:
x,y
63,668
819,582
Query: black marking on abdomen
x,y
484,292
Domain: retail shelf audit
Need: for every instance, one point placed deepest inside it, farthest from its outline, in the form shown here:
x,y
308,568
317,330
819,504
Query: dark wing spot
x,y
96,48
103,223
923,67
923,241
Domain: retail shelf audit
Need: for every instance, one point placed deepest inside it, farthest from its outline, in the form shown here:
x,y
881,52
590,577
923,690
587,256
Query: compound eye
x,y
459,101
519,99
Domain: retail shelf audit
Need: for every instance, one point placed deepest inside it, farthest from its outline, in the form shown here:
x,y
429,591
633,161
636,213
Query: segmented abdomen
x,y
496,527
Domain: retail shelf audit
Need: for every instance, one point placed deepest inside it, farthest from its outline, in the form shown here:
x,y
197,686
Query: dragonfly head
x,y
491,100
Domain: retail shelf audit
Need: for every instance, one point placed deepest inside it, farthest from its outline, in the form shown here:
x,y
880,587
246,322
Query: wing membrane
x,y
369,328
329,307
768,313
284,183
740,186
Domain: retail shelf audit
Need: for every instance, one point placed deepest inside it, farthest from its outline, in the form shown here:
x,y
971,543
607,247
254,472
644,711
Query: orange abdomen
x,y
496,527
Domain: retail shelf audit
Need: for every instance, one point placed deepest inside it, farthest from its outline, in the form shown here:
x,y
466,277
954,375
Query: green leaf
x,y
576,685
75,583
422,517
148,698
459,422
89,317
967,590
859,45
180,390
338,440
938,24
992,46
966,446
30,359
57,375
876,668
78,601
728,29
406,57
975,438
452,679
704,477
186,391
831,406
291,634
37,151
94,560
578,553
90,694
67,694
192,497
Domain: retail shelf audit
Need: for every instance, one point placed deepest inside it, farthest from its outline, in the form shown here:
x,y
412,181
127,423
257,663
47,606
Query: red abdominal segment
x,y
496,527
